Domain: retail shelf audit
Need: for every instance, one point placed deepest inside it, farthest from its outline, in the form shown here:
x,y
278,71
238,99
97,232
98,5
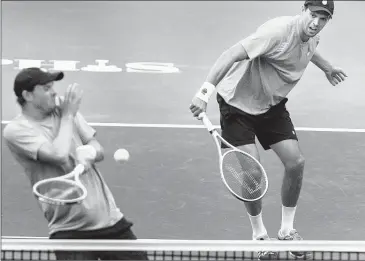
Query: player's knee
x,y
296,164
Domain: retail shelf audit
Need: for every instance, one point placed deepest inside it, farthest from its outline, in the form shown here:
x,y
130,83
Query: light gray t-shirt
x,y
277,60
24,137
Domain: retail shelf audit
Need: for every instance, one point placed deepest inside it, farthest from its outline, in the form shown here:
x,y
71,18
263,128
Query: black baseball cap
x,y
28,78
319,5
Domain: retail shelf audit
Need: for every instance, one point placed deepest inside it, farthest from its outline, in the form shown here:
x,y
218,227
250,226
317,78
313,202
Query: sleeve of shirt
x,y
85,131
24,139
263,40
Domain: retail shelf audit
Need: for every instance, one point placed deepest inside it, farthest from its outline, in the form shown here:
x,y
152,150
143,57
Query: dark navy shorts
x,y
240,128
121,230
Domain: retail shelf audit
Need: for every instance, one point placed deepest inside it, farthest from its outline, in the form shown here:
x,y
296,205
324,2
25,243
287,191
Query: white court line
x,y
22,237
187,126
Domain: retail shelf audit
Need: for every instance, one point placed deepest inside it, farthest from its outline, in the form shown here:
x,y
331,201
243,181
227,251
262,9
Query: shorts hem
x,y
268,146
236,144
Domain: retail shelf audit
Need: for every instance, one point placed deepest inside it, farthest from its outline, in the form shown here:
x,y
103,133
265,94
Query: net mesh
x,y
243,175
44,249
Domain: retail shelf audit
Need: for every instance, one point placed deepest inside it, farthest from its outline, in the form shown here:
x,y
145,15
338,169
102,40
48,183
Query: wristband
x,y
87,152
205,91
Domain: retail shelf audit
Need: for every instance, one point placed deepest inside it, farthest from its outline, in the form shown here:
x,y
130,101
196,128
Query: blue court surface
x,y
139,64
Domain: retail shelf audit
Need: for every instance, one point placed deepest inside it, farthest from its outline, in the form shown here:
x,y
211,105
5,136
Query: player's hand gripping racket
x,y
241,173
63,190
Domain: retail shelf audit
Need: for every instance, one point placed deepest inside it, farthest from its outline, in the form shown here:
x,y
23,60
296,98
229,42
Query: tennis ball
x,y
121,155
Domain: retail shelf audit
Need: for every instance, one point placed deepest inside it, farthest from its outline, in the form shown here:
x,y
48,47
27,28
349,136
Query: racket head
x,y
61,190
243,175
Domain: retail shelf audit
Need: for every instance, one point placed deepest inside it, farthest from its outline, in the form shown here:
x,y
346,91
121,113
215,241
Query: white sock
x,y
258,228
287,219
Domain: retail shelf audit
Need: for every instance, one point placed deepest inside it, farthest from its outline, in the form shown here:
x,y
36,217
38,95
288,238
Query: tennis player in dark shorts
x,y
253,79
121,230
44,139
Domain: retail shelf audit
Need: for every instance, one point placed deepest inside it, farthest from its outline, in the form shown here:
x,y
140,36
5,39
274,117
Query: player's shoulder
x,y
279,26
18,124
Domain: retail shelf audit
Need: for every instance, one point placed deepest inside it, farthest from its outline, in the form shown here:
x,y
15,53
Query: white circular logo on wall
x,y
324,2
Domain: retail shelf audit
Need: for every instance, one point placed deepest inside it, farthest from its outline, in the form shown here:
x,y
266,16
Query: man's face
x,y
313,22
43,97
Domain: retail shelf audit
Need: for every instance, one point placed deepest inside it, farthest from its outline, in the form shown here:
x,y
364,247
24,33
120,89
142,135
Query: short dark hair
x,y
20,100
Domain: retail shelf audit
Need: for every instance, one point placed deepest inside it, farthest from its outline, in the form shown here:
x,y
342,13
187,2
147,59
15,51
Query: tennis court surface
x,y
171,187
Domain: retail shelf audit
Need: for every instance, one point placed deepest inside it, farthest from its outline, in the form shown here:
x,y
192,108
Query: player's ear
x,y
27,96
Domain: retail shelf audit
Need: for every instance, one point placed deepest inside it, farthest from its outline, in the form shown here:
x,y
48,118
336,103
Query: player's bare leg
x,y
291,156
254,211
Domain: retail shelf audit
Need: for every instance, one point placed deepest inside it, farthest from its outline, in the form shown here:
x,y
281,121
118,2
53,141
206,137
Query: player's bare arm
x,y
57,152
234,54
334,75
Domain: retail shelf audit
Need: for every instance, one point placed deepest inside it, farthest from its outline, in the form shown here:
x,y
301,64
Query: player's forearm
x,y
321,63
215,75
223,64
62,143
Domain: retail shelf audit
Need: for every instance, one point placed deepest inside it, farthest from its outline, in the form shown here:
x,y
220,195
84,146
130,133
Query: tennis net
x,y
20,248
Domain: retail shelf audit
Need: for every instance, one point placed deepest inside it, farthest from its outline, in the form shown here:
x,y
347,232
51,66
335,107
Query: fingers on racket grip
x,y
201,115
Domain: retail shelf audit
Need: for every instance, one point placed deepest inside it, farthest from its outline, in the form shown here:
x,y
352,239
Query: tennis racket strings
x,y
59,190
243,175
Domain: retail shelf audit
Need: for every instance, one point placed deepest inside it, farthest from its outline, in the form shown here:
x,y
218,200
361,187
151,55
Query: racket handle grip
x,y
206,121
79,169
